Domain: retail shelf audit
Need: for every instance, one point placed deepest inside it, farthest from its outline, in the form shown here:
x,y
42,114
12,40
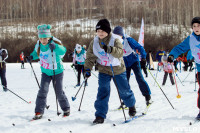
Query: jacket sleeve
x,y
135,45
181,48
90,57
117,50
60,49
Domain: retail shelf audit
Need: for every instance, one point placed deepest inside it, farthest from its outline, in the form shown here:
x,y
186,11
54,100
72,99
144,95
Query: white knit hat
x,y
78,47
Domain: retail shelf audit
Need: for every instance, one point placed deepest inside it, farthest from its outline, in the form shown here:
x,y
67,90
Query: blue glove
x,y
29,59
52,46
107,49
87,73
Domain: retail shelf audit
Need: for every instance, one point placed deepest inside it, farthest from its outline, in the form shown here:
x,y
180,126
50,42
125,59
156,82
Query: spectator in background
x,y
3,57
159,55
22,60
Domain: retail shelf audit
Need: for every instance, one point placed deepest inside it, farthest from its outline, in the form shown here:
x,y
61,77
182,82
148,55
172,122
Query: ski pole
x,y
155,78
16,94
74,71
74,98
196,78
54,83
116,85
187,76
47,106
82,95
161,89
179,78
94,74
178,95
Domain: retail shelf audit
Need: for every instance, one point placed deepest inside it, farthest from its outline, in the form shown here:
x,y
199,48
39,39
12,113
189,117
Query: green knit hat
x,y
44,31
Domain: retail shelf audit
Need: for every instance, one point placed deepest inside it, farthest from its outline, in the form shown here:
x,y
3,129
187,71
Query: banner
x,y
141,37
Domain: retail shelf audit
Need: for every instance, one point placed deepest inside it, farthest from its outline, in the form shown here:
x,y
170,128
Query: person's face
x,y
101,34
78,52
196,28
44,41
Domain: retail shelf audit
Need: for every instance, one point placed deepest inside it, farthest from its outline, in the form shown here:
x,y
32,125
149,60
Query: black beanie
x,y
195,20
104,25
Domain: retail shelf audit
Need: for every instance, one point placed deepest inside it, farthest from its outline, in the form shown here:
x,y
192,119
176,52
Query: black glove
x,y
52,46
143,62
72,65
108,49
29,59
170,58
87,73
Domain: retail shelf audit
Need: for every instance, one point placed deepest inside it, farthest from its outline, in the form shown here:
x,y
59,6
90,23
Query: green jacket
x,y
117,52
59,53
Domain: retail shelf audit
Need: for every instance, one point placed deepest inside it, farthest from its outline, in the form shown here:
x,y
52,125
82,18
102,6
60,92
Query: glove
x,y
72,65
87,73
29,59
170,58
108,49
143,62
52,46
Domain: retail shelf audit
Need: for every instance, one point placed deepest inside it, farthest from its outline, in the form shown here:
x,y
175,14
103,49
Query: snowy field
x,y
161,118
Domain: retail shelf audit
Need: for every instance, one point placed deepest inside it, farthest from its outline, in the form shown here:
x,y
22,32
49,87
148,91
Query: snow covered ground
x,y
161,118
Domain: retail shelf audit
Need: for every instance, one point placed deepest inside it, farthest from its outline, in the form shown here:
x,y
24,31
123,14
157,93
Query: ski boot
x,y
66,113
132,111
98,120
148,100
37,116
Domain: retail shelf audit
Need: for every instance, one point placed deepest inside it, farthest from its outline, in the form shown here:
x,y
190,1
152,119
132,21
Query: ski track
x,y
161,118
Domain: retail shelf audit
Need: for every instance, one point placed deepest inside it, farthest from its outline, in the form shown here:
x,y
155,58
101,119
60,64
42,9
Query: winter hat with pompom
x,y
44,31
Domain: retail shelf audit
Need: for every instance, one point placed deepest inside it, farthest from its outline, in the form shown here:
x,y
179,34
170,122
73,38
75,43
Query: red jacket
x,y
22,57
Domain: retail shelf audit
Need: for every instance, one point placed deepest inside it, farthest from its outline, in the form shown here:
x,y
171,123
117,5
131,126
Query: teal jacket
x,y
59,52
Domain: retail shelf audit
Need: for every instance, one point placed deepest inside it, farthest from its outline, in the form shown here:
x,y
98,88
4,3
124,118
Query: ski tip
x,y
127,121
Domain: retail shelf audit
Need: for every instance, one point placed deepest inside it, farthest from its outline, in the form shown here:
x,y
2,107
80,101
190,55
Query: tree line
x,y
167,22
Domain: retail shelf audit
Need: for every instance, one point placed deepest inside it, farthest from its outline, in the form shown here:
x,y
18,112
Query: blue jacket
x,y
132,58
189,55
159,55
183,46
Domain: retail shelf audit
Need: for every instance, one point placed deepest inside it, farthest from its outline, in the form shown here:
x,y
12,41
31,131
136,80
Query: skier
x,y
22,60
190,60
132,61
50,51
192,42
159,55
107,50
79,61
168,69
3,57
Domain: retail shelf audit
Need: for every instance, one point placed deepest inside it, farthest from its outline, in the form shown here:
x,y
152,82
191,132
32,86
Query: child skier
x,y
3,57
79,61
50,53
132,61
192,42
168,69
107,50
22,60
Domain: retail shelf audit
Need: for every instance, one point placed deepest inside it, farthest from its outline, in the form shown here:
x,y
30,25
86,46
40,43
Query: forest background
x,y
167,22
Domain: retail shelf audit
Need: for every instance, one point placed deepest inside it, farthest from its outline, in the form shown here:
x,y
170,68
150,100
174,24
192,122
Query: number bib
x,y
103,58
46,60
195,48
